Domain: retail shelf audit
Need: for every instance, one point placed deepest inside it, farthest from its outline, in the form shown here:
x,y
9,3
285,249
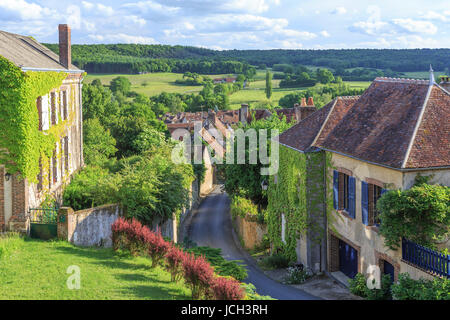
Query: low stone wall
x,y
89,227
250,231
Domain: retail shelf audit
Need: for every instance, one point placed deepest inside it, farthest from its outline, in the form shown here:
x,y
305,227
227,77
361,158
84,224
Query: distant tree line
x,y
134,58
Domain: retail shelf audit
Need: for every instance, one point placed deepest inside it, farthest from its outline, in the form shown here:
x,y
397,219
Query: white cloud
x,y
324,33
74,17
432,15
87,5
97,9
13,10
415,26
135,20
339,10
122,38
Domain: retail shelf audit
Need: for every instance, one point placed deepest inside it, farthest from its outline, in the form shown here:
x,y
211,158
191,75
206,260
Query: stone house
x,y
381,140
62,104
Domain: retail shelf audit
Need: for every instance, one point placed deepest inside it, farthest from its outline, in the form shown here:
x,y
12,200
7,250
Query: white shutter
x,y
283,228
45,113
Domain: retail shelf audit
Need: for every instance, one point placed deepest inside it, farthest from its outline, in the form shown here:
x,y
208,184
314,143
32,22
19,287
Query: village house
x,y
61,104
379,141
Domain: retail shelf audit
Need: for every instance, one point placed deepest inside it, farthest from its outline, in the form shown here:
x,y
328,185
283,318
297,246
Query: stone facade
x,y
365,238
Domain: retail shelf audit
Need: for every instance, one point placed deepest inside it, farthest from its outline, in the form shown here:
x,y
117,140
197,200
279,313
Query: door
x,y
388,269
348,259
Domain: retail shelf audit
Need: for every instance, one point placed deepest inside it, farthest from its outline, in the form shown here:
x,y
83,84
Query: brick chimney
x,y
303,104
445,83
310,101
65,51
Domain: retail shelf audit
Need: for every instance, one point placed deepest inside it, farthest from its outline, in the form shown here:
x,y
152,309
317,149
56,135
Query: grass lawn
x,y
37,270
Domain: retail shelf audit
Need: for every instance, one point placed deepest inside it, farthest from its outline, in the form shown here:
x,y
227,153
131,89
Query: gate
x,y
43,223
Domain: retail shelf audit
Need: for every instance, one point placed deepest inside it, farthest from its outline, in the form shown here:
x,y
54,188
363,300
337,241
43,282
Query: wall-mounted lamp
x,y
7,176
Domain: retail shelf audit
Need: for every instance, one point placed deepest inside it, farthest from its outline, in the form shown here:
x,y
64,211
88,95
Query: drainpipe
x,y
323,250
80,86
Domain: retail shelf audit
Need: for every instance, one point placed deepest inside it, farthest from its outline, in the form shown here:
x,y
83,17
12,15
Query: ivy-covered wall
x,y
21,142
299,192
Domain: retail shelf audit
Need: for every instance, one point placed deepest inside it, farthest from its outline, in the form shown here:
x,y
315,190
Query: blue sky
x,y
237,24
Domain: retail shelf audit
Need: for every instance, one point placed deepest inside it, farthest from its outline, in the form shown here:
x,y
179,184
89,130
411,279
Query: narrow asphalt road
x,y
211,226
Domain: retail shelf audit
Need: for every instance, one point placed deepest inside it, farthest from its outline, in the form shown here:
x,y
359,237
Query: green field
x,y
423,75
154,83
31,269
151,84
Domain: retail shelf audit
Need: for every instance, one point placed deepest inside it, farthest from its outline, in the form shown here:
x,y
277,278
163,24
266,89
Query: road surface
x,y
211,226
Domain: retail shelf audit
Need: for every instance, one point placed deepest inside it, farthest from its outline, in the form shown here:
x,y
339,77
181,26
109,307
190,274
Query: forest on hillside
x,y
135,58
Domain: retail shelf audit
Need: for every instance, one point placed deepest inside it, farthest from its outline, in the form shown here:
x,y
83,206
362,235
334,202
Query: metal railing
x,y
43,215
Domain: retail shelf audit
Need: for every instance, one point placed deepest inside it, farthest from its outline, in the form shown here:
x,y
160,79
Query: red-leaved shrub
x,y
119,234
198,275
174,263
157,247
227,289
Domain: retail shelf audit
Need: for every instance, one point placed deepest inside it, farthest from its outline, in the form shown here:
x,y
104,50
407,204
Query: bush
x,y
241,207
174,263
358,286
276,261
296,275
250,293
221,266
409,289
227,289
157,247
198,275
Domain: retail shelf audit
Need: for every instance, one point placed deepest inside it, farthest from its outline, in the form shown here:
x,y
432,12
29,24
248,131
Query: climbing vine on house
x,y
21,141
289,195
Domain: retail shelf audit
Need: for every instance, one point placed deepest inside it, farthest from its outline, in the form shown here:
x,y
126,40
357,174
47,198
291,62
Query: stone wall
x,y
89,227
250,231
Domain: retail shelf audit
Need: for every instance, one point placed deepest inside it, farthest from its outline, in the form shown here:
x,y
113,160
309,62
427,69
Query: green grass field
x,y
423,75
151,84
154,83
33,269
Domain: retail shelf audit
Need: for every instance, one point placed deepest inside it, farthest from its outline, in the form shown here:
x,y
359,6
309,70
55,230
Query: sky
x,y
237,24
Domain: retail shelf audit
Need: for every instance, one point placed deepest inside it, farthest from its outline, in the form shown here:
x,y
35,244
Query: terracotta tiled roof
x,y
381,125
431,145
302,135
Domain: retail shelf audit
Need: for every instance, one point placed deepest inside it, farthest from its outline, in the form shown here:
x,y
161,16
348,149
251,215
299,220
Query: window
x,y
374,195
39,109
54,167
370,193
344,193
283,228
53,107
40,176
66,154
64,110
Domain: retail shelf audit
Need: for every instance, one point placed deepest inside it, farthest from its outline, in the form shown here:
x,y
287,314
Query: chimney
x,y
310,101
303,104
298,112
243,113
445,83
65,52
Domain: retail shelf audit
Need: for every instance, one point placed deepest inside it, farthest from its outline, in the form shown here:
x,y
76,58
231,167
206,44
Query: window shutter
x,y
335,189
383,191
45,113
365,202
351,196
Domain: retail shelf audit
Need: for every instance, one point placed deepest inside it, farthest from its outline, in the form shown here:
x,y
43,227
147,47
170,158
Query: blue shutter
x,y
335,189
365,202
351,196
383,191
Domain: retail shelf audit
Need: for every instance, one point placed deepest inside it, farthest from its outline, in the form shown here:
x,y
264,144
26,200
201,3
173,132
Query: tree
x,y
245,179
420,214
324,76
120,84
99,145
268,84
